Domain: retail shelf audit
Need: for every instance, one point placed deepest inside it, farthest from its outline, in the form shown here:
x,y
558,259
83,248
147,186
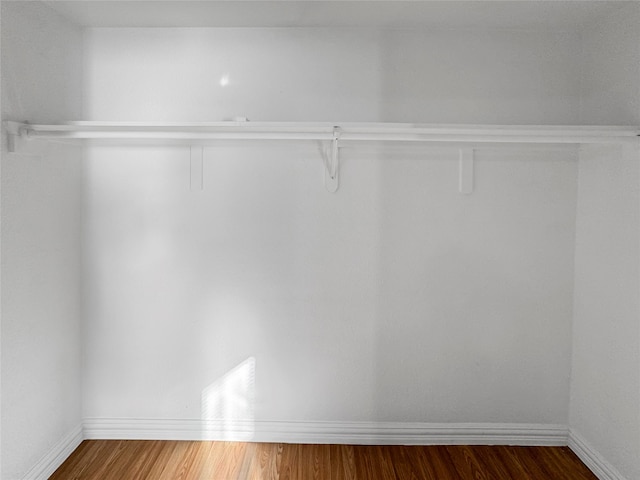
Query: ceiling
x,y
515,14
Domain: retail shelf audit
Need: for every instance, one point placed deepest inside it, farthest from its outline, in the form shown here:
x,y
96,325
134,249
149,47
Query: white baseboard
x,y
55,456
362,433
592,459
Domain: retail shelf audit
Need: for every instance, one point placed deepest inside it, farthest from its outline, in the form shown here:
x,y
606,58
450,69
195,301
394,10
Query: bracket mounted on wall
x,y
332,170
16,132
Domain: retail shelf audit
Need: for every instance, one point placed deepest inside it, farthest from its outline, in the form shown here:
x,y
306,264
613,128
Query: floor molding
x,y
592,459
55,456
363,433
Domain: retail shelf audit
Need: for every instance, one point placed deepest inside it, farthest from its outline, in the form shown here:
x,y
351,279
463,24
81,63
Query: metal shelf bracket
x,y
16,131
332,170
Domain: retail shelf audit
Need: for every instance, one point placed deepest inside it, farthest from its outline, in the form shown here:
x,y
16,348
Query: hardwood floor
x,y
172,460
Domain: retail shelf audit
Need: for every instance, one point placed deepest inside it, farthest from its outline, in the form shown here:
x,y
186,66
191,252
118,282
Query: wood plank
x,y
264,461
373,462
78,461
498,464
169,455
107,456
343,465
290,467
133,459
224,460
439,464
182,460
559,464
316,462
465,464
575,464
405,463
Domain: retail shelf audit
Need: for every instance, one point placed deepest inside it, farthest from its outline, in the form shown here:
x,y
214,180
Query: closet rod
x,y
356,132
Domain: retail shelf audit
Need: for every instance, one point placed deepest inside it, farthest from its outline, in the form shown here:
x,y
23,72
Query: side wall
x,y
42,69
605,385
610,63
265,298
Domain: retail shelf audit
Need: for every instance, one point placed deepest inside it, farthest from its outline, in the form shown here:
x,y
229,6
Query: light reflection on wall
x,y
228,404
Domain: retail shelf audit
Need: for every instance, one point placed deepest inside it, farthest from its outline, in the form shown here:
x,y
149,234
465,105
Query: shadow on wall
x,y
228,405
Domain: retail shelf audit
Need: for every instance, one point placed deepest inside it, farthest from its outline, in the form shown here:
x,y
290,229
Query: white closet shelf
x,y
337,134
327,131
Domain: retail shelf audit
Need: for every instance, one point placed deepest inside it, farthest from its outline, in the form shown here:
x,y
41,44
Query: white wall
x,y
605,385
609,85
448,76
605,388
42,68
396,299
